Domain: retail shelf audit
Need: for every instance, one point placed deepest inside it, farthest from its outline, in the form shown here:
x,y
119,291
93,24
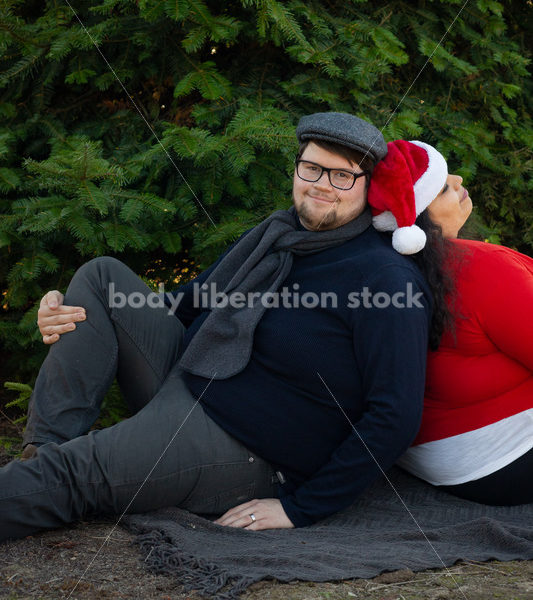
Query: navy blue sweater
x,y
329,391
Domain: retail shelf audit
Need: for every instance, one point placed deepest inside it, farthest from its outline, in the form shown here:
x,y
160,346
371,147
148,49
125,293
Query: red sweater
x,y
486,374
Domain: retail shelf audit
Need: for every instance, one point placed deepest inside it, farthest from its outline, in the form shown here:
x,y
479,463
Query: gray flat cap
x,y
344,129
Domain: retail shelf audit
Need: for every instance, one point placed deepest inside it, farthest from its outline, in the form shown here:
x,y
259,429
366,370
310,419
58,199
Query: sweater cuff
x,y
298,519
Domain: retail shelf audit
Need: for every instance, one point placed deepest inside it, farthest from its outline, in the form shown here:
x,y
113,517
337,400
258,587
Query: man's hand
x,y
268,513
55,319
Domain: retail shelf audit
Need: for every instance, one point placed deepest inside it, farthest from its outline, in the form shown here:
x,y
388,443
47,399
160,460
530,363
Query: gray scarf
x,y
259,262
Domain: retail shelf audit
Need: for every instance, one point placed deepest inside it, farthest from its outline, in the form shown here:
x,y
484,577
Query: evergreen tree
x,y
158,130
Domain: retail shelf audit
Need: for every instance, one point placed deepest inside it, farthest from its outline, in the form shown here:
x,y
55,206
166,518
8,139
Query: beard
x,y
313,223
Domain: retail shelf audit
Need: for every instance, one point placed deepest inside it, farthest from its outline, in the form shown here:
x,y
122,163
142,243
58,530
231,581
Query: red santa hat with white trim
x,y
403,185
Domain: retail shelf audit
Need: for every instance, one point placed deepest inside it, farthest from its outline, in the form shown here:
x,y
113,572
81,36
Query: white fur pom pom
x,y
408,240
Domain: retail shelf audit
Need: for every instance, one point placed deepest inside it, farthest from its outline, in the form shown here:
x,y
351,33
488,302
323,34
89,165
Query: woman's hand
x,y
54,318
268,514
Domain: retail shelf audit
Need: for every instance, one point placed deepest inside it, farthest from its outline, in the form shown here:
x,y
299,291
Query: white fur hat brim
x,y
428,186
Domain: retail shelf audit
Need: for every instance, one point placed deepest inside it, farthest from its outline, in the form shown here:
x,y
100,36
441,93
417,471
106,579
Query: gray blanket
x,y
378,533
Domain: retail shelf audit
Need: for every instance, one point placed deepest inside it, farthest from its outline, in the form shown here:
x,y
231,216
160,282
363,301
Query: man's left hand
x,y
268,514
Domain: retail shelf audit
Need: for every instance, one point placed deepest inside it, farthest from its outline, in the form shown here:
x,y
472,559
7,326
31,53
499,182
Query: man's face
x,y
319,205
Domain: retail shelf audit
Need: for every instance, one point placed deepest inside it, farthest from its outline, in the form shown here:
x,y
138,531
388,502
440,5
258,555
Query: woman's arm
x,y
501,288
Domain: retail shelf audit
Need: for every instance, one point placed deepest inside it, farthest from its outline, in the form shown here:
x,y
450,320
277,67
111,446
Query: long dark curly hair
x,y
432,262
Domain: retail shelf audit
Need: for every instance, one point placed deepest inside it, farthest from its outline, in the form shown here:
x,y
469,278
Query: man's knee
x,y
102,275
102,264
103,270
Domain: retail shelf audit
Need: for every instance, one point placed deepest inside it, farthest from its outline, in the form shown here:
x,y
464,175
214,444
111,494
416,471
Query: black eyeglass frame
x,y
328,171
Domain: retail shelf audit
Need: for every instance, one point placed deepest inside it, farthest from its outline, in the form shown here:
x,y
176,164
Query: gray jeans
x,y
169,453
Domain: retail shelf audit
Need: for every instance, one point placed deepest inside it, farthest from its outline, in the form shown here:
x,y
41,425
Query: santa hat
x,y
403,185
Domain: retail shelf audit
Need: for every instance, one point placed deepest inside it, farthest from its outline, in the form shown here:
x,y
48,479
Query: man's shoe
x,y
28,452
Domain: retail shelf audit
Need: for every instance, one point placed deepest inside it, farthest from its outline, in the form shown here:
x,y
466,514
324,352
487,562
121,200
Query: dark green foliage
x,y
21,401
113,409
197,141
10,444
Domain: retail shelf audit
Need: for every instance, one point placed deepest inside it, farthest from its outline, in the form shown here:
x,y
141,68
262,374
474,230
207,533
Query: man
x,y
274,404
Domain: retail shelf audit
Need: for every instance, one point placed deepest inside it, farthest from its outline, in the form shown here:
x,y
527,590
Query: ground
x,y
75,563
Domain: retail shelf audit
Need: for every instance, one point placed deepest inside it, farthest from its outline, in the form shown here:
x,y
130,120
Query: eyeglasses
x,y
341,179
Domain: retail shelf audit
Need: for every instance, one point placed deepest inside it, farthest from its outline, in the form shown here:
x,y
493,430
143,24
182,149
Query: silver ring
x,y
252,516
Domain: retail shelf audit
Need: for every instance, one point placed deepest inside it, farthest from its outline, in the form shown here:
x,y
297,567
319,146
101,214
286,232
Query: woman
x,y
476,436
